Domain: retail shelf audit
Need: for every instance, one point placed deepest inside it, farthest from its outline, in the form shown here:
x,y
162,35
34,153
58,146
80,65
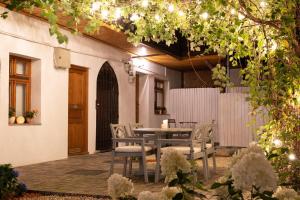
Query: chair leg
x,y
111,171
214,162
125,167
145,168
205,167
130,166
157,167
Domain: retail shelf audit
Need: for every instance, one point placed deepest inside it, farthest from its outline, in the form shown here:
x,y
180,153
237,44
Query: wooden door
x,y
107,105
78,114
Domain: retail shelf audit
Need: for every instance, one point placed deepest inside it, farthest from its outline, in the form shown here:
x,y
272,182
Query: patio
x,y
87,174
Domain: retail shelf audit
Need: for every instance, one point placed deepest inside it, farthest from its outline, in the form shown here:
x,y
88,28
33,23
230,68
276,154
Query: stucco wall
x,y
22,145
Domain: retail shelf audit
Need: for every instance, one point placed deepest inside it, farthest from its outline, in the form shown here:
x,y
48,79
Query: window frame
x,y
159,110
23,79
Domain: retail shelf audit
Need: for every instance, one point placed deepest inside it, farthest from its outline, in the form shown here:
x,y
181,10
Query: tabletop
x,y
163,130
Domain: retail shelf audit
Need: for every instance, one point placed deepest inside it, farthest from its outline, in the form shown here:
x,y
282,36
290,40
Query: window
x,y
159,103
19,84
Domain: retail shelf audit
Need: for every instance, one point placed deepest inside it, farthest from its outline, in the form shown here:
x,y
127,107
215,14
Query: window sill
x,y
26,124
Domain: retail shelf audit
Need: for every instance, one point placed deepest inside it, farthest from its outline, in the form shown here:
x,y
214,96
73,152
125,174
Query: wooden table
x,y
160,131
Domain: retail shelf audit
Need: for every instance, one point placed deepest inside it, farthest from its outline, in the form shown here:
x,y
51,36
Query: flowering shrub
x,y
119,187
9,185
171,162
286,194
147,195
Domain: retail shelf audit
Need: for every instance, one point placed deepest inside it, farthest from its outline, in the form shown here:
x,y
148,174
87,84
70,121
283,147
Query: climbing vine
x,y
264,33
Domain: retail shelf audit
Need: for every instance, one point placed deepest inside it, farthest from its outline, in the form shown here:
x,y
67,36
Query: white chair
x,y
128,147
193,147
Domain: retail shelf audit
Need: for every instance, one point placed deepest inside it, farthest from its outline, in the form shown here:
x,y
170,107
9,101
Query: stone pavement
x,y
87,174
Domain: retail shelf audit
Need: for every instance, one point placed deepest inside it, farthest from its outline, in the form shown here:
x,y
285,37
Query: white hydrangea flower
x,y
253,147
147,195
171,162
253,169
167,193
283,193
119,186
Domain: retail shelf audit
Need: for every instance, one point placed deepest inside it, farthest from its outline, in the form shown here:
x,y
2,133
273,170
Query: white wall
x,y
28,144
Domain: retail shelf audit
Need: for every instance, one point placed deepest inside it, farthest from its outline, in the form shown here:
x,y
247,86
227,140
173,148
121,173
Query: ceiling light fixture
x,y
204,15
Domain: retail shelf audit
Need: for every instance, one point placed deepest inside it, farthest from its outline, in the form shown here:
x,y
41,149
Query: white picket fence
x,y
229,110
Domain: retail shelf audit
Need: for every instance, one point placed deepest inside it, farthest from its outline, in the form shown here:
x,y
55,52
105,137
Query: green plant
x,y
220,77
31,114
265,34
9,185
11,112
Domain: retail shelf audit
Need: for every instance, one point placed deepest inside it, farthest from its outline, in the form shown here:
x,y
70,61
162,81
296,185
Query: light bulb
x,y
232,11
180,13
292,157
145,3
104,14
241,16
263,4
157,17
96,6
118,13
171,8
134,17
204,15
277,143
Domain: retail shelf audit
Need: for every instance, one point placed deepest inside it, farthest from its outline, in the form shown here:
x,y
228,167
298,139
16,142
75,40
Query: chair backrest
x,y
118,131
172,123
202,131
133,126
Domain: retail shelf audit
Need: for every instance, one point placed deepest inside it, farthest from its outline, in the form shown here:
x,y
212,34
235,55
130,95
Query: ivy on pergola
x,y
265,32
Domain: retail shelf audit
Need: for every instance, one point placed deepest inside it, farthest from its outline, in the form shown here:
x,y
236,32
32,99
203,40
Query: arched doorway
x,y
107,106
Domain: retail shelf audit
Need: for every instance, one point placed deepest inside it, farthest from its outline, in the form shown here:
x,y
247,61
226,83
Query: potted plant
x,y
12,115
30,115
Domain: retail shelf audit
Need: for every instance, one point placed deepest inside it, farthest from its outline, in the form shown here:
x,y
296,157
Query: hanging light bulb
x,y
104,14
134,17
241,16
157,18
145,3
171,8
232,11
277,143
263,4
96,6
292,157
204,15
180,13
118,13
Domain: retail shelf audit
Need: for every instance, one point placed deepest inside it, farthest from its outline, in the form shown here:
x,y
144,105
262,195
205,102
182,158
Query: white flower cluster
x,y
171,162
168,193
147,195
251,168
119,186
283,193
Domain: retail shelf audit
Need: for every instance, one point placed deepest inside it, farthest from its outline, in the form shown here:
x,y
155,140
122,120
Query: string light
x,y
204,15
277,143
104,14
157,17
134,17
292,157
96,6
241,16
180,13
118,13
171,8
232,11
145,3
263,4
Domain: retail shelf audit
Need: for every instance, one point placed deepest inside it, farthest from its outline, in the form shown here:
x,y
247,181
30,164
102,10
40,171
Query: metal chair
x,y
128,147
189,147
133,126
